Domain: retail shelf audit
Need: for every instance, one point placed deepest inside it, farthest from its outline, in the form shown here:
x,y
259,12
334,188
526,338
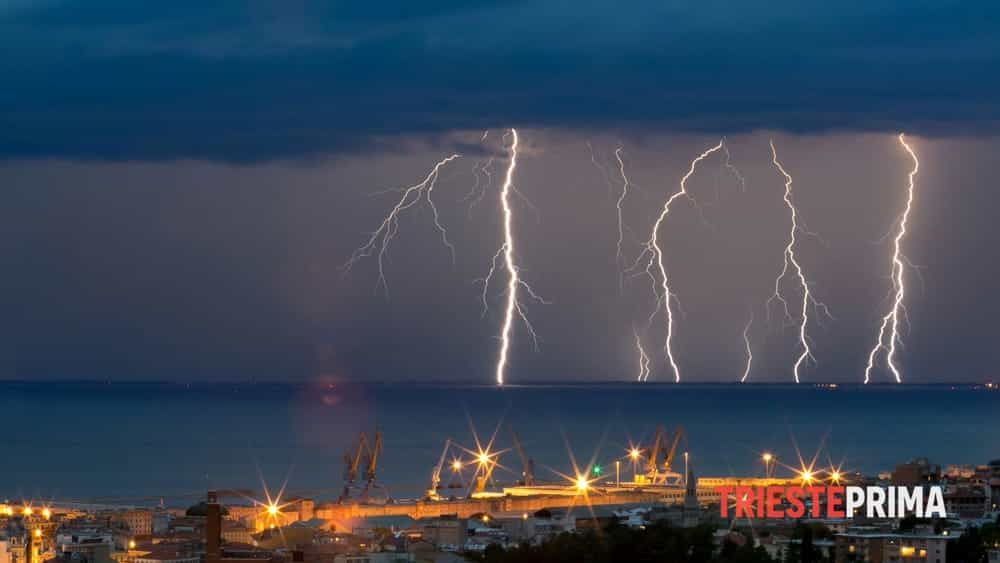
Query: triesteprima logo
x,y
831,502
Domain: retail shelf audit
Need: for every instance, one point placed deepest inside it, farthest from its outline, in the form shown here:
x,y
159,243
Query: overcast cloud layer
x,y
245,81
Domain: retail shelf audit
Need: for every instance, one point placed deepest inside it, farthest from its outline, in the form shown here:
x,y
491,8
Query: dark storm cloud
x,y
254,81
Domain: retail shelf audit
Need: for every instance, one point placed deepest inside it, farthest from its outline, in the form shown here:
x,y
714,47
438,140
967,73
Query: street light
x,y
634,454
767,458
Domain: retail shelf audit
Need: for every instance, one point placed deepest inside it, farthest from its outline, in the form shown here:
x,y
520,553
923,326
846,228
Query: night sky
x,y
181,185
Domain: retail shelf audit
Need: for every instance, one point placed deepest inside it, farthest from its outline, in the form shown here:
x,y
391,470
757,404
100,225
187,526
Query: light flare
x,y
378,242
791,262
891,319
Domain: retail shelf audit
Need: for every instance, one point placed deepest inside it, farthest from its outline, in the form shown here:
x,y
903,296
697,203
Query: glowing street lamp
x,y
634,454
582,485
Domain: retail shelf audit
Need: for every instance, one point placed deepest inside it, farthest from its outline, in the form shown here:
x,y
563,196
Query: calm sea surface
x,y
88,440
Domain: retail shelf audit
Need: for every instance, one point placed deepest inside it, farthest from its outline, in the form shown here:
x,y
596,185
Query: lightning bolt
x,y
891,319
643,357
514,282
600,167
479,188
387,230
746,343
618,203
655,253
729,166
790,259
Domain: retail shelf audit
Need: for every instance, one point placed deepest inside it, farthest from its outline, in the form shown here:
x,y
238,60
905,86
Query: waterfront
x,y
123,440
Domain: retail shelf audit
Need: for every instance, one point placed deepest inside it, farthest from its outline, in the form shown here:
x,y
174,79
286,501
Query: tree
x,y
658,543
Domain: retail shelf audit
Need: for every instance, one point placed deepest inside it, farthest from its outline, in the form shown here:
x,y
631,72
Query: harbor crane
x,y
368,453
352,460
669,459
527,464
371,463
663,473
432,491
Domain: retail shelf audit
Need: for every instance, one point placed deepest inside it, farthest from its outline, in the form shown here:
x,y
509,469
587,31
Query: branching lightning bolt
x,y
387,230
514,282
790,259
642,357
891,319
655,254
749,350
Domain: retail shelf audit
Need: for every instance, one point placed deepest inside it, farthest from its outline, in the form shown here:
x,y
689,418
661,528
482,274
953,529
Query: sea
x,y
146,443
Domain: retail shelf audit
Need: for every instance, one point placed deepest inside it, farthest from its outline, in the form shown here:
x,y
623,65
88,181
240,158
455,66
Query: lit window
x,y
906,551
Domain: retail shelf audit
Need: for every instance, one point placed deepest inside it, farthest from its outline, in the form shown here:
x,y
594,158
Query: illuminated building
x,y
967,501
11,550
215,552
917,472
884,547
138,521
445,531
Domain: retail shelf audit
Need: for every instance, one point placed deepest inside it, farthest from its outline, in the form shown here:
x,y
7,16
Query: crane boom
x,y
678,434
436,472
352,458
527,465
372,457
652,467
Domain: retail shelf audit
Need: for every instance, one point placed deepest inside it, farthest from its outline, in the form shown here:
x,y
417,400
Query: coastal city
x,y
710,282
469,512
